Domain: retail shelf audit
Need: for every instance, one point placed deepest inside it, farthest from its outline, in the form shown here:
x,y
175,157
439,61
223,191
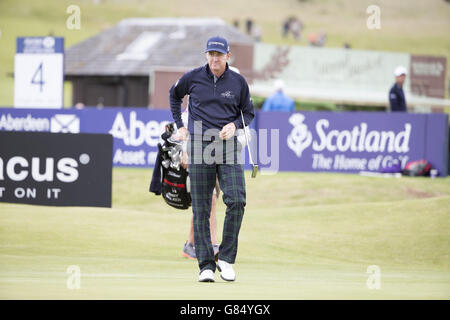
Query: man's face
x,y
217,61
400,79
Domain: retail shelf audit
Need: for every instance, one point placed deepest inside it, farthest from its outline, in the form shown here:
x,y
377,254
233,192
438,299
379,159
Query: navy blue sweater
x,y
397,98
214,103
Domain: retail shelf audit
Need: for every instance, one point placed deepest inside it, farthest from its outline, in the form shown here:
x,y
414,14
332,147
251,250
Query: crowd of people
x,y
291,27
251,29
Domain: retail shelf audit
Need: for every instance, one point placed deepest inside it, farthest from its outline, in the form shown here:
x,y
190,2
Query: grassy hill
x,y
413,26
314,241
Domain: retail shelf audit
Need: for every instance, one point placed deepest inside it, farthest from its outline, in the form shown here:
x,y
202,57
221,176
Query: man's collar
x,y
211,75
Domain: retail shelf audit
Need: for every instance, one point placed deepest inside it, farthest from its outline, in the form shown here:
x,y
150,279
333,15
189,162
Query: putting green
x,y
304,236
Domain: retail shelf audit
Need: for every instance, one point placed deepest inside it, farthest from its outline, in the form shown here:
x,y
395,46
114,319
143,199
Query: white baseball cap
x,y
400,70
235,69
278,84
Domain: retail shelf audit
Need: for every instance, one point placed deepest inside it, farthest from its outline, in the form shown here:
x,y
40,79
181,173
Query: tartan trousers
x,y
206,161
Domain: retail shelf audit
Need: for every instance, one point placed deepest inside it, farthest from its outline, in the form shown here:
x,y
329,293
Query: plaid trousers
x,y
206,161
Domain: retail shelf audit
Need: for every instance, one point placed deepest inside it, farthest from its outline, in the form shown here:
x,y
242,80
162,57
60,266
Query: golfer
x,y
217,95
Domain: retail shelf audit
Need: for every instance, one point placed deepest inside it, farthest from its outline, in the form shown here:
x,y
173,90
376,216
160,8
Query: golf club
x,y
255,166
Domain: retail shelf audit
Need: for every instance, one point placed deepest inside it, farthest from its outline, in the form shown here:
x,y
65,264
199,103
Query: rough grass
x,y
413,26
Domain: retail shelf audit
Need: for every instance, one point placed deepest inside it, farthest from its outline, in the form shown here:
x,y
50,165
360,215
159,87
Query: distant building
x,y
134,63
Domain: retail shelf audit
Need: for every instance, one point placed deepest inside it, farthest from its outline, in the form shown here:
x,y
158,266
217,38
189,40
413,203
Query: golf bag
x,y
175,180
417,168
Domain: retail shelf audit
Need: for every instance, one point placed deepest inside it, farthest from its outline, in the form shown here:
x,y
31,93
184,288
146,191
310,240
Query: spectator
x,y
278,101
292,25
256,33
189,246
317,39
322,38
100,101
312,38
296,28
249,26
79,105
286,27
397,99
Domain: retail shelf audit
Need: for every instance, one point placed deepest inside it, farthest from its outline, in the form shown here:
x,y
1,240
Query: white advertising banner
x,y
321,73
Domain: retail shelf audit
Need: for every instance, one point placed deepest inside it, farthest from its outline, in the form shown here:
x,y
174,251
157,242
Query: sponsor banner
x,y
136,135
354,141
43,45
437,142
328,73
55,169
136,132
310,141
428,76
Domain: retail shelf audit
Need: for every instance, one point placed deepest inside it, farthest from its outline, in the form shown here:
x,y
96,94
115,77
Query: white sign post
x,y
39,72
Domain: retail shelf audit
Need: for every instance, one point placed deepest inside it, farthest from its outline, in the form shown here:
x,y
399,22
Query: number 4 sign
x,y
39,81
39,72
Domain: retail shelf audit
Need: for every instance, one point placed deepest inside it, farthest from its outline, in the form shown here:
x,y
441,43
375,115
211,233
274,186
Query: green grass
x,y
309,236
414,26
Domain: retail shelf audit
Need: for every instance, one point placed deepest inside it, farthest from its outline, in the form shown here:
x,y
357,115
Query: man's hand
x,y
227,131
183,132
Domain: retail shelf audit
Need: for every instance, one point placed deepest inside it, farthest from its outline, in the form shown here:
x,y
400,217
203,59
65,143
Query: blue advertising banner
x,y
308,141
352,141
136,132
41,45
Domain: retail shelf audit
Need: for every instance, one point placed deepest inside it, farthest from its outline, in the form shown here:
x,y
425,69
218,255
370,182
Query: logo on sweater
x,y
227,94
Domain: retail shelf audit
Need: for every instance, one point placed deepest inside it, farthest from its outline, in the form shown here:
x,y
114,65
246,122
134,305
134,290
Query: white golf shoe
x,y
226,270
206,276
